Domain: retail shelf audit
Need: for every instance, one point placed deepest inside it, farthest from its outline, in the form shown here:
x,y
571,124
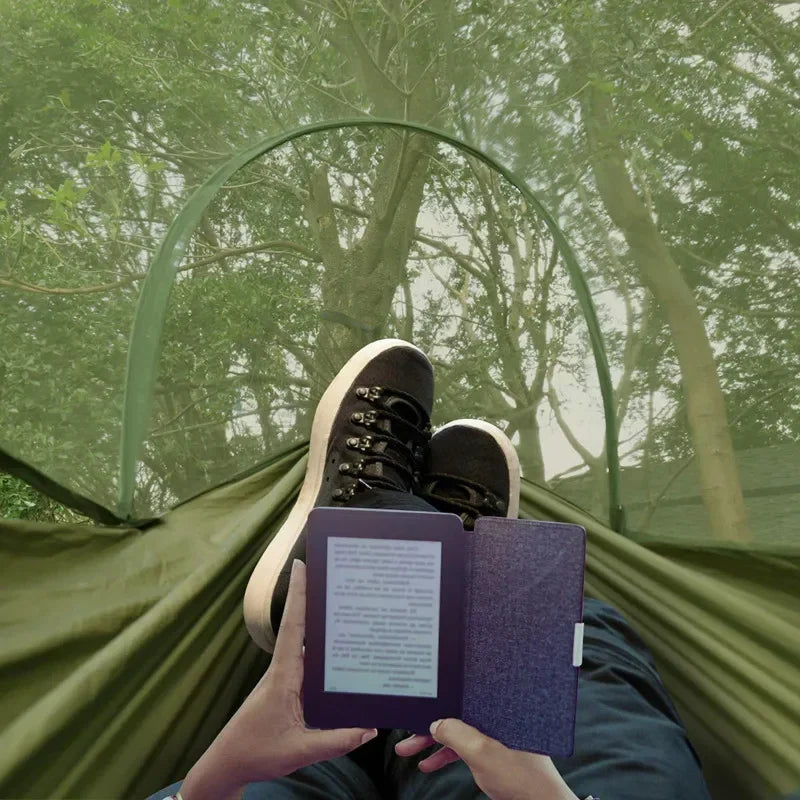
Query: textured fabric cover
x,y
124,651
525,589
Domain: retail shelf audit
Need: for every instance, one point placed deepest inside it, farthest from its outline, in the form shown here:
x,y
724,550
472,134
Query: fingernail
x,y
434,726
295,563
369,736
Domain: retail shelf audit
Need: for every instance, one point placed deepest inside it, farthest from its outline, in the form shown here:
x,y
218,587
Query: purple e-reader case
x,y
507,599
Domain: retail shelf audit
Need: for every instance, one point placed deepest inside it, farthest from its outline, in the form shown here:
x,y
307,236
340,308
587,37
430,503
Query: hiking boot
x,y
370,430
472,470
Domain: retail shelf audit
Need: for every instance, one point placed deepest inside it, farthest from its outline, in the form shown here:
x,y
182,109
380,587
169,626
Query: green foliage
x,y
111,115
20,501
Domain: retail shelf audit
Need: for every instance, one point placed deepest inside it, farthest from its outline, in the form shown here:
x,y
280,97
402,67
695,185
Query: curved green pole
x,y
151,308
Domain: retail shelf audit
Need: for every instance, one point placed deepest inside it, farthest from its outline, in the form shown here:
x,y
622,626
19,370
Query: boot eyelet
x,y
342,495
344,467
357,416
362,391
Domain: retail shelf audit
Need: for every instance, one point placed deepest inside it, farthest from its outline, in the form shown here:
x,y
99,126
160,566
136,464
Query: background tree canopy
x,y
664,139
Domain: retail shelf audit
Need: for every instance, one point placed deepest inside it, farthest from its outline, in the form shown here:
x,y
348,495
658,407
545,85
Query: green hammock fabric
x,y
125,650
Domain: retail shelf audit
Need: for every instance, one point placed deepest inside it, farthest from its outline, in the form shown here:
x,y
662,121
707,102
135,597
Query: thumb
x,y
326,744
498,770
474,747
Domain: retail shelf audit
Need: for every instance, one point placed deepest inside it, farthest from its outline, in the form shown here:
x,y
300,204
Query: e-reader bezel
x,y
349,709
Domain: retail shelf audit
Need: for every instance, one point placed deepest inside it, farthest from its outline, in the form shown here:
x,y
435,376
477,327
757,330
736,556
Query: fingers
x,y
441,758
470,744
322,745
416,744
289,644
412,745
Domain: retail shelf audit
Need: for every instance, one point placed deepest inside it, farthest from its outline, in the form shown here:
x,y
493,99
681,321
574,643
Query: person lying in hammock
x,y
630,743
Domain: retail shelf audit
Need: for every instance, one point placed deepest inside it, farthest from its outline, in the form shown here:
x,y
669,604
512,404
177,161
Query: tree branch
x,y
590,460
276,245
756,80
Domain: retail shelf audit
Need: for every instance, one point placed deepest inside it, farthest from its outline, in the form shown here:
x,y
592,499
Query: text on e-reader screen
x,y
382,616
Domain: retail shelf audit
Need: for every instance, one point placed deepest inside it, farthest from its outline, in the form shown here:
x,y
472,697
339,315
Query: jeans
x,y
630,743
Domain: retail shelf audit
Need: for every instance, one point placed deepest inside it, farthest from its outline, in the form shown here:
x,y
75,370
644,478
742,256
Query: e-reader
x,y
384,618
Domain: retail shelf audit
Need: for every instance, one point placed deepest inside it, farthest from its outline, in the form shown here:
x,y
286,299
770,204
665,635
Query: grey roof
x,y
770,479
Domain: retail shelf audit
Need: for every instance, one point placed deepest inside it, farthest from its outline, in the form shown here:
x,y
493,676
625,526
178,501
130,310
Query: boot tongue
x,y
457,490
395,451
404,409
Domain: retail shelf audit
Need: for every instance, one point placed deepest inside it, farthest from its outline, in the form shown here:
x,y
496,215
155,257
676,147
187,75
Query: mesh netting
x,y
660,139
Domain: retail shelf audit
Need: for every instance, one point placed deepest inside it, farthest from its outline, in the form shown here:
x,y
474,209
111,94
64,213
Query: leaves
x,y
109,157
112,116
20,501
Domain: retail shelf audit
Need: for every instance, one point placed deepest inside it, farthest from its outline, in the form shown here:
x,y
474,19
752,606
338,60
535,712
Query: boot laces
x,y
390,439
455,493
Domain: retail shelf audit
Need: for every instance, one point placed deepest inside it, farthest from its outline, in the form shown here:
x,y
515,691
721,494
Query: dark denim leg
x,y
629,741
394,775
388,500
336,779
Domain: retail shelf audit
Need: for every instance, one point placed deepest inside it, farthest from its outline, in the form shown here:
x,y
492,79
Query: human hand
x,y
267,737
499,771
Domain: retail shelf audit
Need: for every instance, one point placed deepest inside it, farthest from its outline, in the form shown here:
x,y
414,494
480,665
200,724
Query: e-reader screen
x,y
382,615
385,618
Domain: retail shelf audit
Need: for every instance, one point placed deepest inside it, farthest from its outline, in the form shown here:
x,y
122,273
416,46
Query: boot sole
x,y
512,459
262,583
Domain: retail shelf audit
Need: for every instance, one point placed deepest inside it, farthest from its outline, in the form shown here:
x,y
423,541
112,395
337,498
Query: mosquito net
x,y
584,212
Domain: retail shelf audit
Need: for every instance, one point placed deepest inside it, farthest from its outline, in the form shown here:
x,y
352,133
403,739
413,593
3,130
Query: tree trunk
x,y
360,282
708,421
529,451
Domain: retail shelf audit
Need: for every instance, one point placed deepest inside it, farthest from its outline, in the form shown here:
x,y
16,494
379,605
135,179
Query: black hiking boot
x,y
371,429
472,470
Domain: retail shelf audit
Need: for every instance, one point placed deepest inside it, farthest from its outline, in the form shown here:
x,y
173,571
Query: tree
x,y
346,236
